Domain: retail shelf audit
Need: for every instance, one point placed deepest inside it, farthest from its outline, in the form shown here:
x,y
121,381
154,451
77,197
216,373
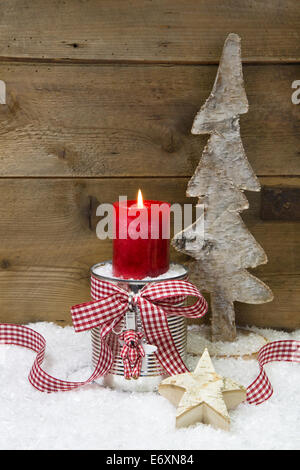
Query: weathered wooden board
x,y
48,243
47,293
135,120
280,239
279,203
84,101
141,30
283,312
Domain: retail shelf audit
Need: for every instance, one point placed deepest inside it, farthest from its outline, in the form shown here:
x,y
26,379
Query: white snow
x,y
100,418
175,270
247,342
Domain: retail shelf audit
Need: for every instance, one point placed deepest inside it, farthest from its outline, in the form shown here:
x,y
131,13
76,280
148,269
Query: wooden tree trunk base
x,y
246,345
223,317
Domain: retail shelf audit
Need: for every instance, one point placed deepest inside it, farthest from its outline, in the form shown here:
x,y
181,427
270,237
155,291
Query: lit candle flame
x,y
140,202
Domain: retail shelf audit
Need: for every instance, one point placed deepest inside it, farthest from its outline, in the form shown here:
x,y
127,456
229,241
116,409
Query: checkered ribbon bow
x,y
154,302
258,392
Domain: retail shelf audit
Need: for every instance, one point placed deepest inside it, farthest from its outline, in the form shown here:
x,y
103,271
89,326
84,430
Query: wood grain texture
x,y
283,312
278,203
48,243
88,120
103,93
148,30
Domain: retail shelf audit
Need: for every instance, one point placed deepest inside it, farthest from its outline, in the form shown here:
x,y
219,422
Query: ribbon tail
x,y
286,350
26,337
260,390
157,332
44,382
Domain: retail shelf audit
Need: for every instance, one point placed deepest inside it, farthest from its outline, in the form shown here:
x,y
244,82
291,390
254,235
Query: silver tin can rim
x,y
137,281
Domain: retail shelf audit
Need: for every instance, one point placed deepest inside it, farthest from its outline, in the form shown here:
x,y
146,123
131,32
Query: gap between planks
x,y
54,177
67,61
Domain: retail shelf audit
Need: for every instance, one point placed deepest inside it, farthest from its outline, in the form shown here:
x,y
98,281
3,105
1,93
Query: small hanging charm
x,y
132,353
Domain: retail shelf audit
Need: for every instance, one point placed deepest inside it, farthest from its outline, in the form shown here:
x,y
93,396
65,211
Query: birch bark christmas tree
x,y
226,248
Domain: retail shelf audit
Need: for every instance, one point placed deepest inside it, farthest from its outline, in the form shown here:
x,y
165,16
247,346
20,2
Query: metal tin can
x,y
152,373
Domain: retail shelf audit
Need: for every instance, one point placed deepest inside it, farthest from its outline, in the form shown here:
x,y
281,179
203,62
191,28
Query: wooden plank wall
x,y
101,95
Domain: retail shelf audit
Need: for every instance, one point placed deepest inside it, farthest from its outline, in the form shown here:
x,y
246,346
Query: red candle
x,y
141,238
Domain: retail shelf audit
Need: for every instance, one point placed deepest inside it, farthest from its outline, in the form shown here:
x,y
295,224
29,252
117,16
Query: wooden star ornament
x,y
202,395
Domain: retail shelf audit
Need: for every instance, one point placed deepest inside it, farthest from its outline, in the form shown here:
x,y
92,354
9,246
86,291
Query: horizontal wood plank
x,y
135,120
48,243
46,294
141,30
282,312
279,203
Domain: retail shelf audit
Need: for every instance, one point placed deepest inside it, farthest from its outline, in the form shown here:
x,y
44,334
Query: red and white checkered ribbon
x,y
261,389
30,339
154,302
106,311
